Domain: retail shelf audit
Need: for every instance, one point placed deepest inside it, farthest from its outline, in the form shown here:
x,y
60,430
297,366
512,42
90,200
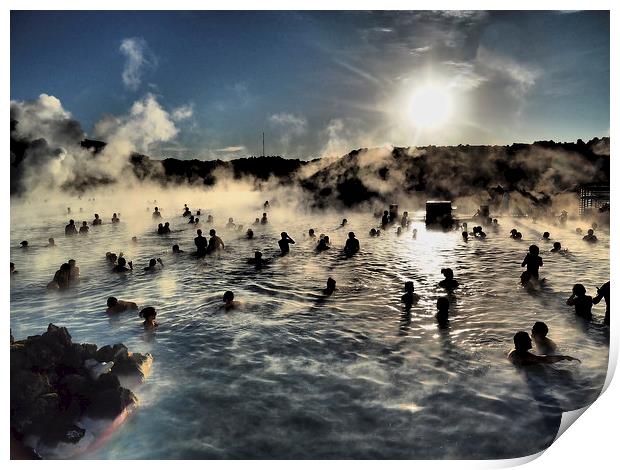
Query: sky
x,y
322,83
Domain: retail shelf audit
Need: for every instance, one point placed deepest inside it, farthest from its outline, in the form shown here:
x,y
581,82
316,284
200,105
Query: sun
x,y
430,107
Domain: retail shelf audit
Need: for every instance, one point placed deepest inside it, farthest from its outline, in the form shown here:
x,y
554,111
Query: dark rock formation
x,y
536,171
52,388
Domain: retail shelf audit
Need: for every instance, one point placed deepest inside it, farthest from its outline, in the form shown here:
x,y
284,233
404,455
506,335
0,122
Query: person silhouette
x,y
330,288
533,262
201,244
449,282
443,311
590,237
96,220
544,345
70,229
409,297
323,244
284,243
520,355
385,219
581,302
156,213
149,314
215,242
352,245
603,293
84,228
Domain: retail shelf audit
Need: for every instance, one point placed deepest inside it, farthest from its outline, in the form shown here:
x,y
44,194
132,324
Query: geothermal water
x,y
293,374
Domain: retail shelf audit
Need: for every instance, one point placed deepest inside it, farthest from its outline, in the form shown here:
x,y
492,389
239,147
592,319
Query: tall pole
x,y
263,144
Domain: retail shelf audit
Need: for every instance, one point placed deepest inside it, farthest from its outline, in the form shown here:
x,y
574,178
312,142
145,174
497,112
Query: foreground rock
x,y
55,383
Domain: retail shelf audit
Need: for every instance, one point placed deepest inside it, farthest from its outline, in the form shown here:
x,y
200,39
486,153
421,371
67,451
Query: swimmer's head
x,y
579,290
448,273
258,255
590,232
557,245
71,222
65,267
24,243
311,232
595,226
257,219
284,234
540,329
175,248
152,262
546,235
373,231
325,239
228,297
230,219
112,301
96,216
534,250
409,286
212,232
465,235
71,262
122,261
344,221
522,341
351,235
51,241
265,214
331,283
12,266
167,224
156,209
385,212
199,232
148,313
519,235
443,304
399,230
513,231
134,239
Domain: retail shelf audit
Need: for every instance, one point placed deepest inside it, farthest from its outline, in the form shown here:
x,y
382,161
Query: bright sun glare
x,y
431,107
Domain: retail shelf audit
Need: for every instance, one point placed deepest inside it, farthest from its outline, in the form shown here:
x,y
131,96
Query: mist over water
x,y
295,374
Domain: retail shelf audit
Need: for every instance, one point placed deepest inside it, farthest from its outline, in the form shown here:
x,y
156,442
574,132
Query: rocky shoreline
x,y
55,383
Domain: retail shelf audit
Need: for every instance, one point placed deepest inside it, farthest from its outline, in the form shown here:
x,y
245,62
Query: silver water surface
x,y
293,374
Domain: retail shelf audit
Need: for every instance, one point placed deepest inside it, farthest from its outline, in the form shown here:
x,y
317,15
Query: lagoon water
x,y
294,374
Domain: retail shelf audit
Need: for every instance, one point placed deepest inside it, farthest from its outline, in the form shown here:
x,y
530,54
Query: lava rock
x,y
52,389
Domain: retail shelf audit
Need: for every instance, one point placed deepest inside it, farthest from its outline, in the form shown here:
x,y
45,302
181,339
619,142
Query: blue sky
x,y
322,82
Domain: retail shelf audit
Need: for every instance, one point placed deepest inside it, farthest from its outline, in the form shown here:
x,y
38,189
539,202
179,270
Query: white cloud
x,y
137,57
289,125
231,149
183,112
521,77
147,123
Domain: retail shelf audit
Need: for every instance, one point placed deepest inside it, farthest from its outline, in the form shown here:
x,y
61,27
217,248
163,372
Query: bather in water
x,y
520,355
581,302
449,282
118,306
409,297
